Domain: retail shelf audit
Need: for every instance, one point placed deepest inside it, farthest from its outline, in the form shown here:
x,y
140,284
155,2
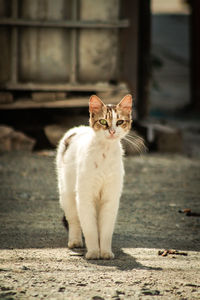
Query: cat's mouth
x,y
112,136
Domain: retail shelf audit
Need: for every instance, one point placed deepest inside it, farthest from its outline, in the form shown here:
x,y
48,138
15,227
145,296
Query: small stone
x,y
14,140
24,195
150,292
120,292
20,258
192,285
7,295
97,298
117,294
25,268
3,288
61,289
54,133
5,131
81,284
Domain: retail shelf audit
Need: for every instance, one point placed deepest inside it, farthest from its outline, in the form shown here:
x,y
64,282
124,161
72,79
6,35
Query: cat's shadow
x,y
122,261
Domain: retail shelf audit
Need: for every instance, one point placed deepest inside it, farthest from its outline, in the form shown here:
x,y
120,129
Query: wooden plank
x,y
70,102
98,87
47,96
28,103
64,24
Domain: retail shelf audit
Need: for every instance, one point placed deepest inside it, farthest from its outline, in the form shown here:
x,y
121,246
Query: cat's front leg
x,y
88,220
107,218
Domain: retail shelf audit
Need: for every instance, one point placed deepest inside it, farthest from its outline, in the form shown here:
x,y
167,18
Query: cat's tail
x,y
65,223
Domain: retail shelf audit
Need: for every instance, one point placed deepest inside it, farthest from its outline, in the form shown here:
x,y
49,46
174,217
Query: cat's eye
x,y
103,122
120,122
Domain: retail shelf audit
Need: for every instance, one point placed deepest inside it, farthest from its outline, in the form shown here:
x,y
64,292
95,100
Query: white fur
x,y
90,179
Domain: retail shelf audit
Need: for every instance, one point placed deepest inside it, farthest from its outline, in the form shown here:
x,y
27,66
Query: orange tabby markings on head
x,y
111,113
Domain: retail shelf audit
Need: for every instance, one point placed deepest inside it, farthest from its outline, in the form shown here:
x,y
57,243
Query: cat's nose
x,y
112,131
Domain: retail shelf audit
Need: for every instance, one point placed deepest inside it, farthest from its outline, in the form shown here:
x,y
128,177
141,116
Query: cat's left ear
x,y
126,104
95,104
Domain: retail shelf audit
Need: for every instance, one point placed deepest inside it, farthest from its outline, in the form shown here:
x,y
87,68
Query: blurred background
x,y
55,54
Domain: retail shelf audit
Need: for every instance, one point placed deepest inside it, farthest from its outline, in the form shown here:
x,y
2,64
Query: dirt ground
x,y
36,264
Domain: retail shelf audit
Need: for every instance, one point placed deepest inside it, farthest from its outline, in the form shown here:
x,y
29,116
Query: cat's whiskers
x,y
136,142
134,146
134,135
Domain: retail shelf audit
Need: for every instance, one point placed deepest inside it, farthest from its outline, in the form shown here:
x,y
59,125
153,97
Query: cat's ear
x,y
95,104
126,104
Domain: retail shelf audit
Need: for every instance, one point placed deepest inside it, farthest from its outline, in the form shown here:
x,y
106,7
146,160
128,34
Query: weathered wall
x,y
44,53
98,48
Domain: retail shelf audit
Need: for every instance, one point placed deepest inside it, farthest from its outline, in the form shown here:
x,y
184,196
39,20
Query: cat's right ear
x,y
95,104
126,104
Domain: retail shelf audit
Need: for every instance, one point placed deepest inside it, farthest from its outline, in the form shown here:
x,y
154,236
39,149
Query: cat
x,y
90,175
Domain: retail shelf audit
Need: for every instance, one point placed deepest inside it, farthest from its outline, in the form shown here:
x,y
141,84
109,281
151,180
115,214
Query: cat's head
x,y
111,121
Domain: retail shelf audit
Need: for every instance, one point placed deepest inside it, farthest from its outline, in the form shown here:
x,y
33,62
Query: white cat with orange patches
x,y
90,176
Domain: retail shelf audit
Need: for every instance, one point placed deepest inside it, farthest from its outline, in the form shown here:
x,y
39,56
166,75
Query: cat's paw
x,y
75,244
107,255
93,254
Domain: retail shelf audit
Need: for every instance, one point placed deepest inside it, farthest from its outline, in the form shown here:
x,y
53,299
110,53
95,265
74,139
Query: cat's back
x,y
73,139
78,133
